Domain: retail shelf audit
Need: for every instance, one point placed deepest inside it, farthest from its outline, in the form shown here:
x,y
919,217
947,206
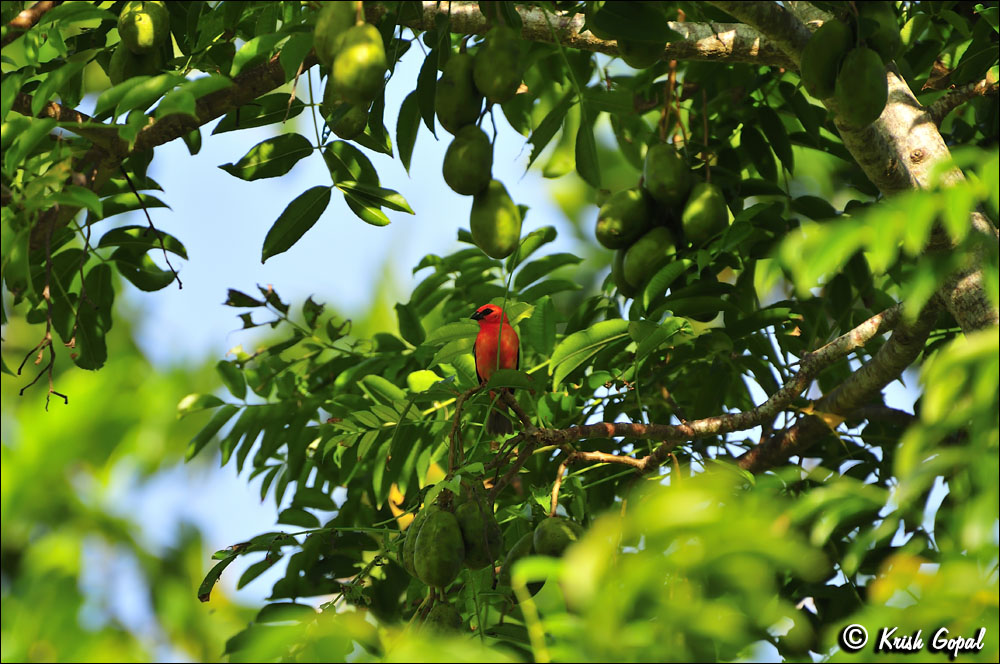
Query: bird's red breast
x,y
494,333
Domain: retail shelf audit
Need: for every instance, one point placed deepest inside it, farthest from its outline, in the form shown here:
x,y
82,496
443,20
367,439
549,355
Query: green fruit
x,y
884,39
554,534
523,547
618,275
359,67
705,213
495,221
443,618
457,101
862,89
346,120
623,218
334,19
143,26
640,55
480,532
822,56
468,162
410,543
439,552
648,254
125,64
497,65
666,175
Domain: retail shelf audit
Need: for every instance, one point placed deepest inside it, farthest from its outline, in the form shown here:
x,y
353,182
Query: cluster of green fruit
x,y
494,73
646,224
144,30
461,531
354,54
834,65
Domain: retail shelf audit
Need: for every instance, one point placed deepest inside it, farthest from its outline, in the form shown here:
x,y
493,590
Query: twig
x,y
558,483
456,429
26,20
940,109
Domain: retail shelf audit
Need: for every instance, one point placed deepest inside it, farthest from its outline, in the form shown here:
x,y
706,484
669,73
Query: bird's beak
x,y
477,316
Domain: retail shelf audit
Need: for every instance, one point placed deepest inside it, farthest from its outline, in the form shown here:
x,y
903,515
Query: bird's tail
x,y
498,423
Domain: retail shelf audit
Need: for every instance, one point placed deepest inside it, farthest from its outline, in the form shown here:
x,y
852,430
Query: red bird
x,y
497,347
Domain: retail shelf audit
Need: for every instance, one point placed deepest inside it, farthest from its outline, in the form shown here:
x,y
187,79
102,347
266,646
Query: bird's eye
x,y
487,312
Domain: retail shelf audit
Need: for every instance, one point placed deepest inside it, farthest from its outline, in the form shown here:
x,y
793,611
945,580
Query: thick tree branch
x,y
26,20
714,42
81,124
898,152
902,348
773,21
672,435
940,109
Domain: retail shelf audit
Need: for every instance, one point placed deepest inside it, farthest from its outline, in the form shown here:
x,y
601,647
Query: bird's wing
x,y
475,358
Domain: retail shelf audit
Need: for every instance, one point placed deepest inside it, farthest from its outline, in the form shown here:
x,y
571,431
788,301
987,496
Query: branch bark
x,y
902,348
26,20
940,109
672,435
900,151
713,42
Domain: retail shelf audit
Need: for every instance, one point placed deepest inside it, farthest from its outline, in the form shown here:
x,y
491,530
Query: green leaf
x,y
141,239
285,612
25,143
347,163
52,82
262,111
202,438
205,589
232,378
409,325
177,102
195,402
661,281
814,207
271,158
548,127
535,270
650,337
255,50
300,215
530,244
293,516
427,89
237,298
539,331
777,136
205,85
754,145
586,150
366,210
94,320
258,568
129,202
580,346
638,21
293,53
382,389
141,96
463,329
407,128
380,196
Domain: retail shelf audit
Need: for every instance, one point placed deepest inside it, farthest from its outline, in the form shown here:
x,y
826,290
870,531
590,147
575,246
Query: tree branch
x,y
775,22
26,20
672,435
104,136
940,109
900,151
713,42
902,348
